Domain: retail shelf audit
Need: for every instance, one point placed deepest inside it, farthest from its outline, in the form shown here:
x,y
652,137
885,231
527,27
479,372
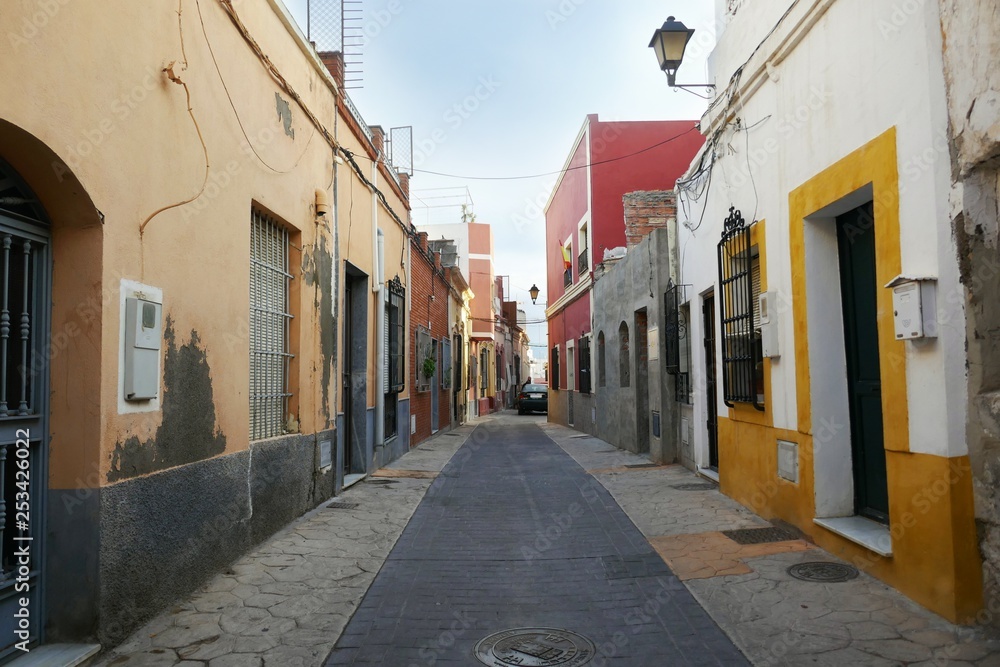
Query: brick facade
x,y
646,211
428,316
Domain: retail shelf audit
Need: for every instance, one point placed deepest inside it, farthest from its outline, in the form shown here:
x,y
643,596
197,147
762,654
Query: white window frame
x,y
571,365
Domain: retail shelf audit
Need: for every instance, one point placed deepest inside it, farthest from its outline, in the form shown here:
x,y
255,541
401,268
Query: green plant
x,y
429,366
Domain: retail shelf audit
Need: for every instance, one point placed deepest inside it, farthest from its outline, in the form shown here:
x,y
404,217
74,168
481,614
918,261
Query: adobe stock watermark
x,y
454,117
120,110
34,22
562,12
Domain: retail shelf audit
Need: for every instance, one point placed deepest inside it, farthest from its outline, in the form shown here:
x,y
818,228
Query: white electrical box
x,y
914,307
143,336
768,327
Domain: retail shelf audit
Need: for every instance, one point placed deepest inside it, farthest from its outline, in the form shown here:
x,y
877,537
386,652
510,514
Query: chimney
x,y
646,211
334,61
378,138
404,185
422,242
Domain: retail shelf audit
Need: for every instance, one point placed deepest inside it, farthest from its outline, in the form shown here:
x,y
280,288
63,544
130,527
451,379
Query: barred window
x,y
484,374
269,326
423,354
624,375
602,369
445,373
678,351
741,354
395,315
584,348
554,374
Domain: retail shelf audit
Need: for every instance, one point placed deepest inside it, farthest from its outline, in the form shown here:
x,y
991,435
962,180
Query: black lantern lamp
x,y
533,292
669,43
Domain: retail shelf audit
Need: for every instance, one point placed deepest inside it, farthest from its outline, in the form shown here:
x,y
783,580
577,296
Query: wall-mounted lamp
x,y
669,43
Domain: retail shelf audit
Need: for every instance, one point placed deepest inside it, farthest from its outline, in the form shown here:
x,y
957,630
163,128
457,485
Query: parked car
x,y
533,398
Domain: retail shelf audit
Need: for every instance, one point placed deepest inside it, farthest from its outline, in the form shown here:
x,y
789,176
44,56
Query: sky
x,y
495,90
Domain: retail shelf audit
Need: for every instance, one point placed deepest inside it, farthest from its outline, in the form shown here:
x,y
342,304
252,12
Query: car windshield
x,y
534,388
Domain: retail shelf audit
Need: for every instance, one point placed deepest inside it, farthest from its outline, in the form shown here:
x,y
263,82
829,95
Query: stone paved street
x,y
520,523
514,535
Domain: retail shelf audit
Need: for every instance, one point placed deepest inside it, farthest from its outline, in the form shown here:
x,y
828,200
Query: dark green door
x,y
856,237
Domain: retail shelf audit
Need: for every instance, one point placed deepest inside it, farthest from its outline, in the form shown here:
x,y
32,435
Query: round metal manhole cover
x,y
822,572
535,647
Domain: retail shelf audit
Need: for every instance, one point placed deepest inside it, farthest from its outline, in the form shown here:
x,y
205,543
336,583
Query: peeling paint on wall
x,y
188,431
317,272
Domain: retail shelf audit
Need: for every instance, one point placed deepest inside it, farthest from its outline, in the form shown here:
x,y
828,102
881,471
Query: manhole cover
x,y
823,572
535,647
759,535
694,486
342,506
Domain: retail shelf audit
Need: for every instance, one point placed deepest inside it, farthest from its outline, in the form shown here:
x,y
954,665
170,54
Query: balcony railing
x,y
582,262
568,277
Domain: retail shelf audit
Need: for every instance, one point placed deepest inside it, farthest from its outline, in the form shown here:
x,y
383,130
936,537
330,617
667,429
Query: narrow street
x,y
515,524
514,534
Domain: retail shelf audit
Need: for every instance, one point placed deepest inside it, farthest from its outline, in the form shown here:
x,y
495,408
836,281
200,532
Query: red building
x,y
583,218
430,343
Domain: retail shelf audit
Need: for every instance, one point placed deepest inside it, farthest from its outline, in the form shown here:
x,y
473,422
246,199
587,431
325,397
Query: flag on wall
x,y
566,260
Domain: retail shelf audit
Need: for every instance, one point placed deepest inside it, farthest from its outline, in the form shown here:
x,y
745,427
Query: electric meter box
x,y
914,307
143,338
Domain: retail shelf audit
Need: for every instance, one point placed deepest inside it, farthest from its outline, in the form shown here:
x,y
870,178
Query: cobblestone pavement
x,y
288,602
285,603
774,618
514,535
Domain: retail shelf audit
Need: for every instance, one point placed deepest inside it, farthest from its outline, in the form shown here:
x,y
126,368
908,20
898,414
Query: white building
x,y
814,405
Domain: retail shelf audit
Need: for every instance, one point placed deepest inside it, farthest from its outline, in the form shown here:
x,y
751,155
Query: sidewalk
x,y
286,603
774,618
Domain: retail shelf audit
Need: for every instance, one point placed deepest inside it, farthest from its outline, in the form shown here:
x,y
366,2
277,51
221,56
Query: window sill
x,y
871,535
710,474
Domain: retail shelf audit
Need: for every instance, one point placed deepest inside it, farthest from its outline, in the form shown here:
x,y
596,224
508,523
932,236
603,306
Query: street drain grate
x,y
823,572
643,465
382,481
760,535
577,437
535,647
342,506
694,486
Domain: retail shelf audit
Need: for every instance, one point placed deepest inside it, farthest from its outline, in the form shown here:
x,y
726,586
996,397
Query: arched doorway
x,y
25,270
52,300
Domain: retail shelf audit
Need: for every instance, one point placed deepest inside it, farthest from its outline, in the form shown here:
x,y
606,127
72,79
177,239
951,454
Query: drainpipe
x,y
380,350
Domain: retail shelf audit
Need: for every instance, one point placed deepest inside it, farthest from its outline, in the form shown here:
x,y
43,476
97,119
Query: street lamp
x,y
533,292
669,43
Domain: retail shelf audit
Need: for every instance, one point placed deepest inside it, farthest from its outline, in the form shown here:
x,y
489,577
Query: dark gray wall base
x,y
72,549
164,535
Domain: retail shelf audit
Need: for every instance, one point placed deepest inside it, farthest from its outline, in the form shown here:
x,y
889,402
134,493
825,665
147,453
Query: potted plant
x,y
429,367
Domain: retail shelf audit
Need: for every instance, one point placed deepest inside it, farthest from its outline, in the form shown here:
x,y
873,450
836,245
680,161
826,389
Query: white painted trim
x,y
481,256
869,534
575,290
570,365
584,130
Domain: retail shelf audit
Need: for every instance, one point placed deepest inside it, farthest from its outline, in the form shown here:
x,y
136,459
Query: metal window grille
x,y
396,337
602,368
740,352
677,355
269,326
568,277
582,263
624,369
445,363
555,369
423,353
484,375
584,348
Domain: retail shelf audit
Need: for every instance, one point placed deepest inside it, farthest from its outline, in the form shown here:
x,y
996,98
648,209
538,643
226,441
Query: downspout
x,y
380,350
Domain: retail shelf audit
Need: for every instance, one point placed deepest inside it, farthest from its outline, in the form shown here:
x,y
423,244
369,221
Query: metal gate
x,y
24,322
